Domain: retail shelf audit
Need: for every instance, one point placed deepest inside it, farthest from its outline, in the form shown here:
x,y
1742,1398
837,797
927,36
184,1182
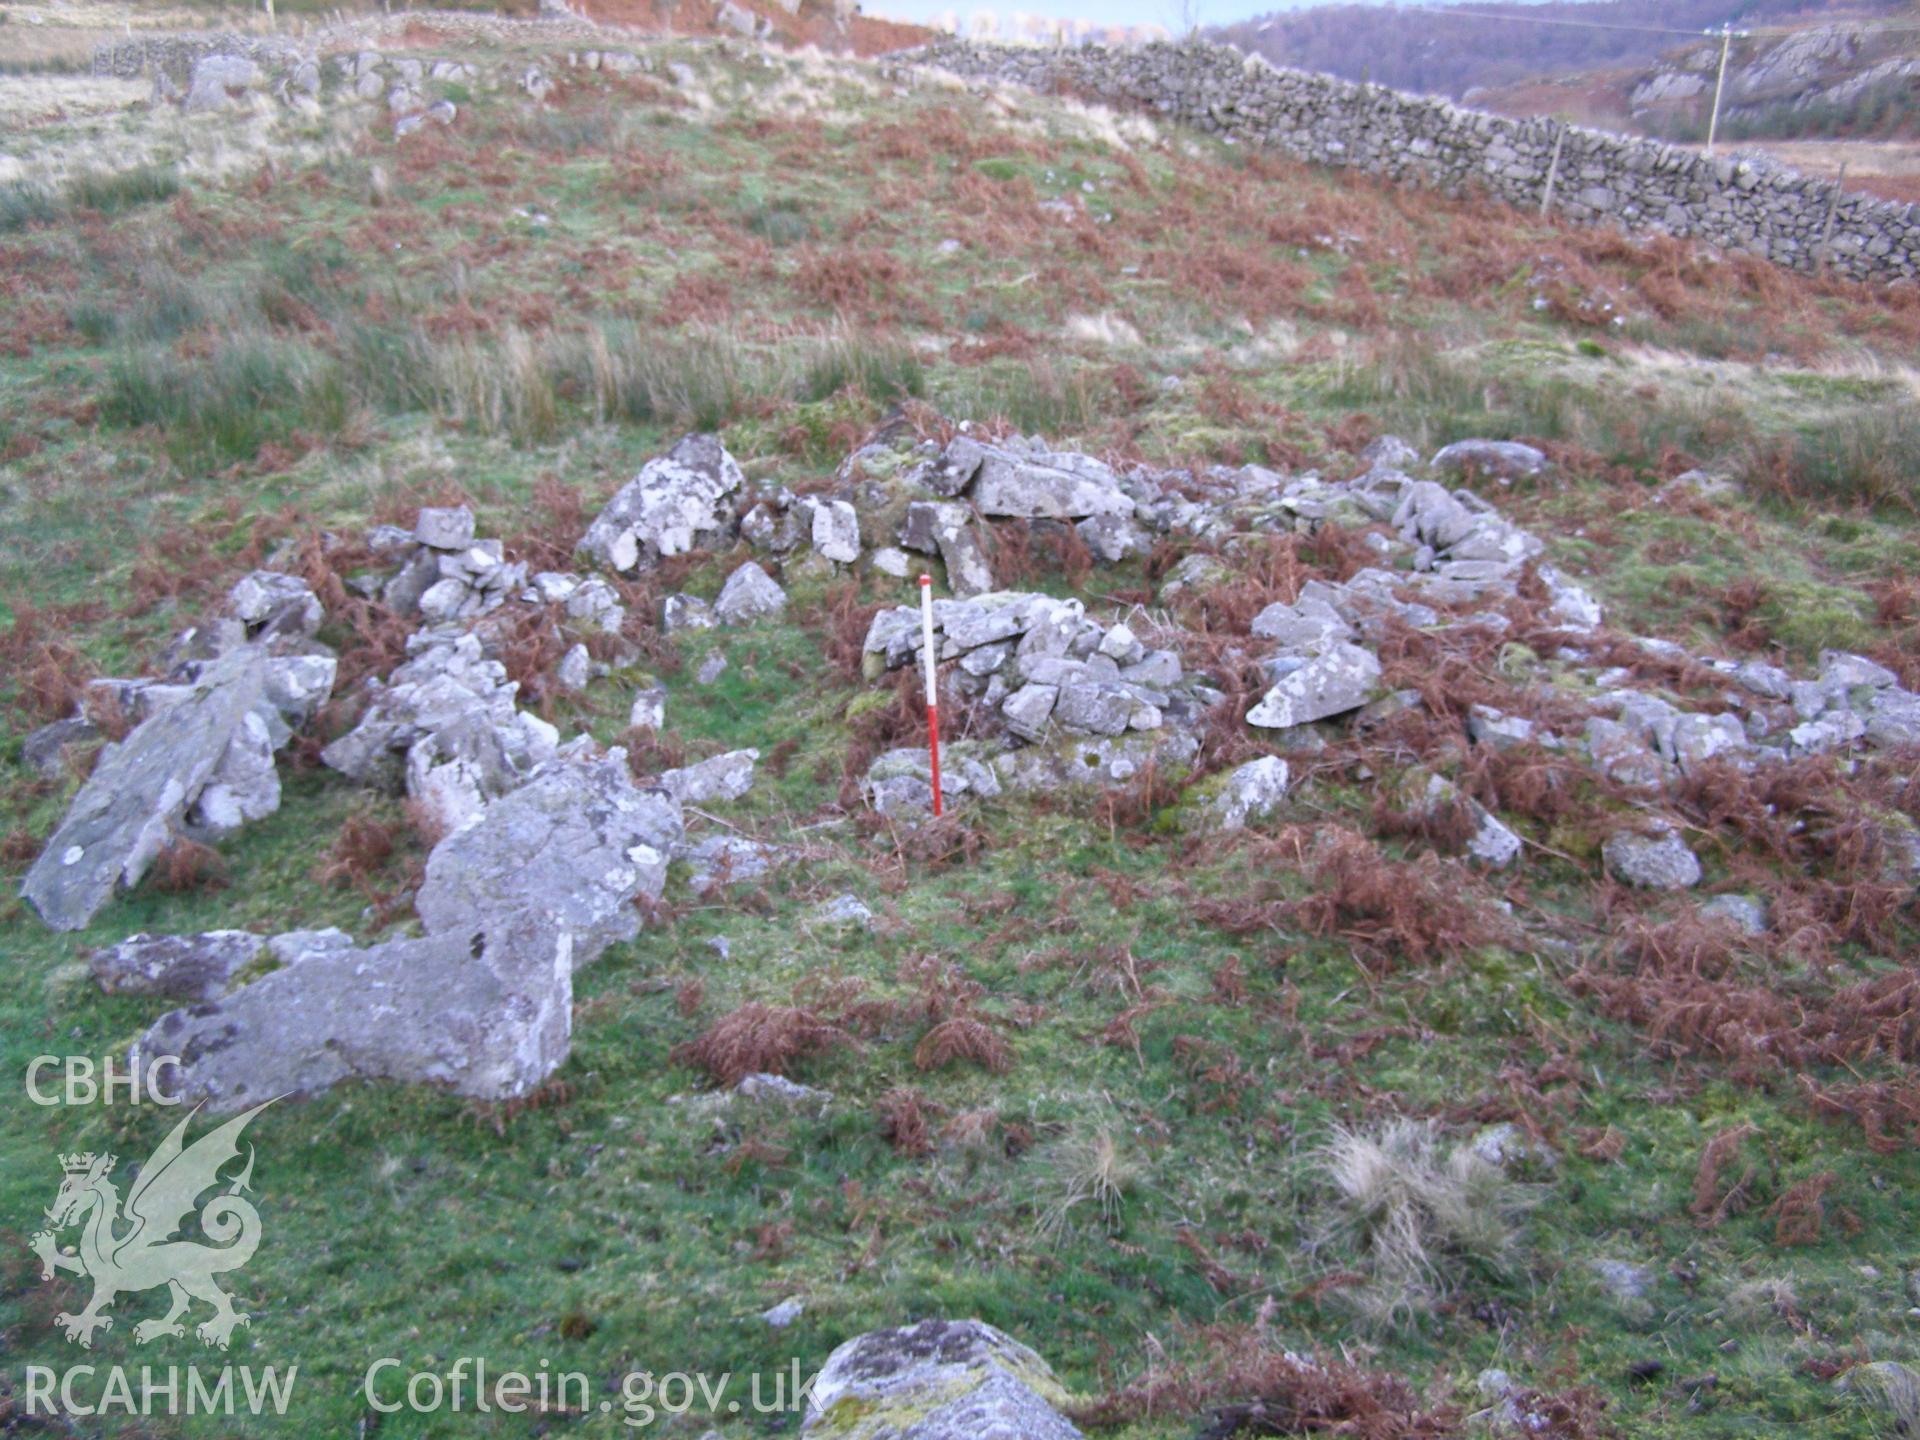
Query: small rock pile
x,y
1050,673
1063,686
445,726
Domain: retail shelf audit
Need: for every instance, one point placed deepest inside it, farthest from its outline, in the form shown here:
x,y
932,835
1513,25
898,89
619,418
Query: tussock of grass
x,y
1043,397
113,191
509,383
1089,1177
1436,396
24,203
1418,1219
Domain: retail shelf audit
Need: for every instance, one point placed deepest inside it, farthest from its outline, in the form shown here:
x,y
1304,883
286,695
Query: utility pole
x,y
1727,33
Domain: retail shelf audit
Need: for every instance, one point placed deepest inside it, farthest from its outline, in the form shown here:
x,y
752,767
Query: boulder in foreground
x,y
938,1380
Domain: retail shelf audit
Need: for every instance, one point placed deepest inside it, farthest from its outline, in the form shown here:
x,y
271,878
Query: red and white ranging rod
x,y
933,691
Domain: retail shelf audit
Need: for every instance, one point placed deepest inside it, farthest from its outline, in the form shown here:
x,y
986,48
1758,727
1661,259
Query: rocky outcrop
x,y
1772,76
199,763
547,878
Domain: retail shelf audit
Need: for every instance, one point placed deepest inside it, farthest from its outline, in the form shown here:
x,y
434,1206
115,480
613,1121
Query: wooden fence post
x,y
1826,229
1553,171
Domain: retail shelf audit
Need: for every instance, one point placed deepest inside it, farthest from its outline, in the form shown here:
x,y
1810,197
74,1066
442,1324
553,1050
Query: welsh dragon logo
x,y
147,1255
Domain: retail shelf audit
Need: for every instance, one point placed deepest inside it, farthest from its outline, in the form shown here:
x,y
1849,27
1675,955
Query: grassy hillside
x,y
224,339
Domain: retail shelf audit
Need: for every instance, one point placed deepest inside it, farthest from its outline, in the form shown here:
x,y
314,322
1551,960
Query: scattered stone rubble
x,y
1096,699
549,850
444,727
1076,700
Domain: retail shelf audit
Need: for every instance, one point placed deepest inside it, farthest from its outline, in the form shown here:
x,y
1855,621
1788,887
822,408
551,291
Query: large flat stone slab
x,y
486,1012
139,792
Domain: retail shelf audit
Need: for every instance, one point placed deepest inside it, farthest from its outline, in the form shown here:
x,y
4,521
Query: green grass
x,y
116,191
1865,456
252,390
27,202
24,203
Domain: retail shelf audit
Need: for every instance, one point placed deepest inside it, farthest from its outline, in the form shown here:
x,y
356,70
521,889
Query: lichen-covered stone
x,y
575,845
1658,861
937,1380
749,594
1339,678
672,506
139,793
486,1012
1253,791
183,967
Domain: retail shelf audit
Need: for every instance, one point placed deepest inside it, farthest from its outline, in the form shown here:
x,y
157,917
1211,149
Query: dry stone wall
x,y
175,55
1741,203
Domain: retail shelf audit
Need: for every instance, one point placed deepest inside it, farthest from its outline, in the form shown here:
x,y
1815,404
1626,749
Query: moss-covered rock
x,y
937,1380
